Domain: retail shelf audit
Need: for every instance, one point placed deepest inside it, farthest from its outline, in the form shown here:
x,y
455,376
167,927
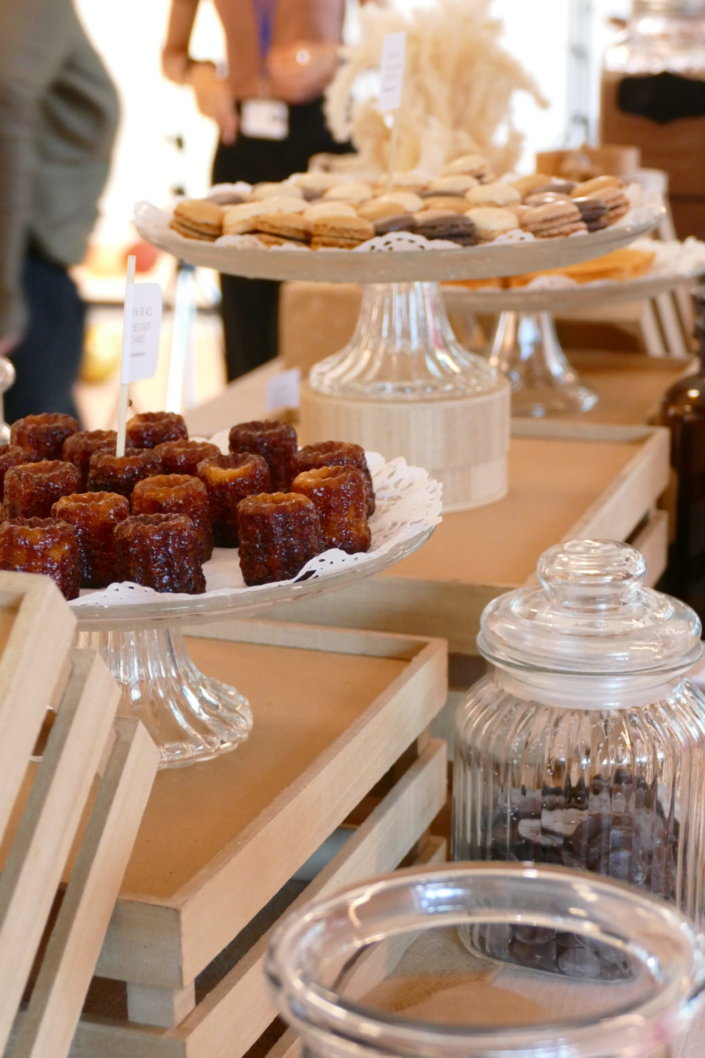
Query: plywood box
x,y
339,739
73,784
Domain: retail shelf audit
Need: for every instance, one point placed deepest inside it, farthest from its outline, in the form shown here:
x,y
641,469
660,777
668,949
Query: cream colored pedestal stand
x,y
462,443
404,386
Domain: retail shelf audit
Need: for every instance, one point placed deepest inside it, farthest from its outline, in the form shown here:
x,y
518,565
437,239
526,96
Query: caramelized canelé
x,y
279,532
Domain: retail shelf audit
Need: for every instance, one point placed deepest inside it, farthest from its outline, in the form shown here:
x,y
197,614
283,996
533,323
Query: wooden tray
x,y
565,480
340,733
73,785
630,385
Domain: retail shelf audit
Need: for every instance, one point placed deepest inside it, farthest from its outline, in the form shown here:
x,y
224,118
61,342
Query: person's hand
x,y
8,343
299,72
213,99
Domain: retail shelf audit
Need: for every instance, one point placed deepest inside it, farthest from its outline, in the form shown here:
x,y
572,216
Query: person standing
x,y
58,120
281,55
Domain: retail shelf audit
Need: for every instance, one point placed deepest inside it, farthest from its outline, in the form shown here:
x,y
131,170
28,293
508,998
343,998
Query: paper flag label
x,y
392,71
140,337
283,390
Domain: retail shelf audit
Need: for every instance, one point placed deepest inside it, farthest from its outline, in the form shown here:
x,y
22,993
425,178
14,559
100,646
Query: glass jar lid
x,y
590,614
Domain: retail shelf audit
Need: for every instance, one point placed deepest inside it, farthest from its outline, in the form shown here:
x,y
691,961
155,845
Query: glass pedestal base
x,y
403,349
525,349
191,716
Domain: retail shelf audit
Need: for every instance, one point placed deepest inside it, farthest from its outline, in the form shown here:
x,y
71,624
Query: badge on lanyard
x,y
264,119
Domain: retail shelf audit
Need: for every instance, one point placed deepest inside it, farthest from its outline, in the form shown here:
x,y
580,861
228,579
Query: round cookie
x,y
492,221
340,232
551,220
493,194
197,218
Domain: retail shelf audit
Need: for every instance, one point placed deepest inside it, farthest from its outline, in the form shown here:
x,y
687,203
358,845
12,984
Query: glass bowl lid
x,y
591,614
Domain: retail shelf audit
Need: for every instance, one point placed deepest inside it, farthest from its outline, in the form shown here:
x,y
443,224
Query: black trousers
x,y
48,359
250,307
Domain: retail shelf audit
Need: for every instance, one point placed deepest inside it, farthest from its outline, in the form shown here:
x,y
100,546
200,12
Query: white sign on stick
x,y
140,336
392,71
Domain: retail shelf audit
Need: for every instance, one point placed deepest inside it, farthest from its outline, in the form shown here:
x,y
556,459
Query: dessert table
x,y
473,555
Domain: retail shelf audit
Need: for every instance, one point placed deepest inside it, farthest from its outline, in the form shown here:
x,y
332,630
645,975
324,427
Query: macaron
x,y
230,194
323,208
561,187
492,221
492,194
241,219
275,189
526,184
597,183
313,185
353,192
340,232
409,179
408,201
470,165
197,218
395,222
292,227
616,201
376,210
538,198
451,203
593,212
444,224
453,184
551,220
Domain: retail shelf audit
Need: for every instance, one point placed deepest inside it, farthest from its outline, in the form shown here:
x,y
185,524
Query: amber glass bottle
x,y
683,412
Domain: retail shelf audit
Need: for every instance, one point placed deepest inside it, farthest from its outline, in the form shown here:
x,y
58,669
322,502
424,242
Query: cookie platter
x,y
396,257
674,263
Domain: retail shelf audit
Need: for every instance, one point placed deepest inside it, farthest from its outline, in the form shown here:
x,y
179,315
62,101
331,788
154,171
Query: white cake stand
x,y
191,716
403,347
525,347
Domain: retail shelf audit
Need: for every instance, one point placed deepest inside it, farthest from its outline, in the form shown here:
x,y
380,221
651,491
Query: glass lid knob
x,y
591,574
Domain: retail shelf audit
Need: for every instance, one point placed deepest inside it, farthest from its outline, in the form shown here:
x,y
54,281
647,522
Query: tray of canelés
x,y
181,526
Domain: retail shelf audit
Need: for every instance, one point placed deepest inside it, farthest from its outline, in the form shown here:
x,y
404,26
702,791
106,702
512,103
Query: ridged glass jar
x,y
585,745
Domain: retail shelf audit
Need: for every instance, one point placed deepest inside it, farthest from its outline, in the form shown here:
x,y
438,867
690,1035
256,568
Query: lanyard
x,y
264,16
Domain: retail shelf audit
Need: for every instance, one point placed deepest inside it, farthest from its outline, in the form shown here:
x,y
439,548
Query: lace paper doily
x,y
408,504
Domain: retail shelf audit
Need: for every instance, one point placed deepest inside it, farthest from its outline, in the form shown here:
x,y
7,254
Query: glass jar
x,y
585,745
653,97
385,970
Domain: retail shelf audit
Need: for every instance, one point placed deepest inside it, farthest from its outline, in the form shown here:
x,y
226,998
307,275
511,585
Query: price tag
x,y
392,71
140,336
283,390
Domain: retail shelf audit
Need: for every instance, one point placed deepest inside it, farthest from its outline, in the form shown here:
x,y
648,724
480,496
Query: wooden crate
x,y
73,785
340,734
565,480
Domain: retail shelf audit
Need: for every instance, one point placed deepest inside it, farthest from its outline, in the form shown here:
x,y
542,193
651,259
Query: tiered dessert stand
x,y
403,375
525,347
404,384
